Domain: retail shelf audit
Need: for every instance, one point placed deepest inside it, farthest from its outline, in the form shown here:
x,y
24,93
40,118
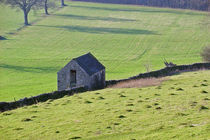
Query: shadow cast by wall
x,y
80,17
30,69
103,30
155,11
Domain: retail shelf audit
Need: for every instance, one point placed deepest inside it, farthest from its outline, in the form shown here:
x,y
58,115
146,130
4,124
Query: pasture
x,y
126,39
176,109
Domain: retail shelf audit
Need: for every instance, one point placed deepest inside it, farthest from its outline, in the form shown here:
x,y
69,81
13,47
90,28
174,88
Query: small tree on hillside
x,y
24,5
206,54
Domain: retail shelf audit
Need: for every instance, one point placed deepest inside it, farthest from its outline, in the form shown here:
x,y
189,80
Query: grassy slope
x,y
123,38
12,19
107,115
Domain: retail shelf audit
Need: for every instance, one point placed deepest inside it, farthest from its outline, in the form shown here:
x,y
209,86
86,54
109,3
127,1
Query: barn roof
x,y
89,63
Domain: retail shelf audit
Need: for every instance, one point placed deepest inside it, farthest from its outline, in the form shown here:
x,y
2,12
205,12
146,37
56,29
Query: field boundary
x,y
167,71
186,5
5,106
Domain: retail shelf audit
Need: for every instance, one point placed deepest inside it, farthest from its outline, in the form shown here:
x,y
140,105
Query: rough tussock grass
x,y
142,113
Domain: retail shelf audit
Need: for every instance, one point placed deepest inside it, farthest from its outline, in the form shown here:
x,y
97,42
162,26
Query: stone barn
x,y
85,70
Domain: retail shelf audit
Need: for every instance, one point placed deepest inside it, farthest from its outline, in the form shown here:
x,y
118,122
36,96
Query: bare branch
x,y
24,5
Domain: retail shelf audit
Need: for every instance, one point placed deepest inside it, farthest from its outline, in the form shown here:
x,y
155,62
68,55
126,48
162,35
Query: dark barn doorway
x,y
73,78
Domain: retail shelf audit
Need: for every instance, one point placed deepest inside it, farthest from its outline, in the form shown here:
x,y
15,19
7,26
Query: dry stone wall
x,y
4,106
164,72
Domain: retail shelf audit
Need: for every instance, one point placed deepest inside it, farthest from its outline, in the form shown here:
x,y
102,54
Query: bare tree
x,y
45,4
24,5
148,66
46,7
169,64
62,3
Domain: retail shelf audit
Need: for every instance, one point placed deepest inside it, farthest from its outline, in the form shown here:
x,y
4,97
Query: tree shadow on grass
x,y
30,69
2,38
80,17
103,30
157,11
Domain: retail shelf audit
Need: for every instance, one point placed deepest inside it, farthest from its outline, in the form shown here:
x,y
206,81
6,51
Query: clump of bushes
x,y
206,54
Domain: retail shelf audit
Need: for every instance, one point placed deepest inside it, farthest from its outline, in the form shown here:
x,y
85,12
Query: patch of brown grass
x,y
139,83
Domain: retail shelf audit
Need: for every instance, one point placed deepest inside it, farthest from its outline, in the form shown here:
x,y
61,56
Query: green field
x,y
176,109
124,38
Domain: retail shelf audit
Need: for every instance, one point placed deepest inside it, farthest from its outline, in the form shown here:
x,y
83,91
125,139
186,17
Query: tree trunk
x,y
62,3
25,17
46,7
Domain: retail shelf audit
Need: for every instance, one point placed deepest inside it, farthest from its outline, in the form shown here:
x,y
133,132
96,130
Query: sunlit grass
x,y
176,109
124,38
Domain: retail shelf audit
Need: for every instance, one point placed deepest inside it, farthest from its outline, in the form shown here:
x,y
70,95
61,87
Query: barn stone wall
x,y
97,80
82,78
4,106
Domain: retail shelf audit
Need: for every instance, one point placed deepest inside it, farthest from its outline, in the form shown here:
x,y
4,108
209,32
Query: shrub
x,y
206,54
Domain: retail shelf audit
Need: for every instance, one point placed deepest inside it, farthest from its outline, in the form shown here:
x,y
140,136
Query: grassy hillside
x,y
11,20
177,109
124,38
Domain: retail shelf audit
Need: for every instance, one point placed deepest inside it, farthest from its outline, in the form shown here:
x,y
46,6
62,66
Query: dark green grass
x,y
124,38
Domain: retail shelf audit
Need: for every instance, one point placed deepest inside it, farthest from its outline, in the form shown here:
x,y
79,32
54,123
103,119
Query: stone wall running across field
x,y
164,72
4,106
